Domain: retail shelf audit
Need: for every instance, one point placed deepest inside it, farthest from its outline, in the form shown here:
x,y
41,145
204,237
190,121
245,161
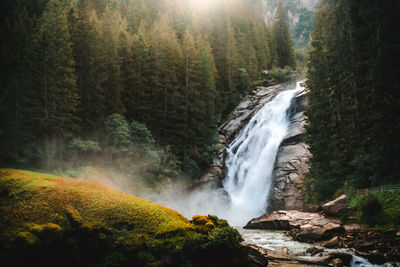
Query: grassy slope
x,y
43,198
89,224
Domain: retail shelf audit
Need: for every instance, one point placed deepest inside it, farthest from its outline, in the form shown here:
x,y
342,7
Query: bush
x,y
278,75
140,135
370,208
190,167
220,248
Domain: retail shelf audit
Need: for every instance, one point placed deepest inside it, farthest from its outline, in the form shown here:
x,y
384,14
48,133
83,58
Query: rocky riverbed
x,y
330,242
328,239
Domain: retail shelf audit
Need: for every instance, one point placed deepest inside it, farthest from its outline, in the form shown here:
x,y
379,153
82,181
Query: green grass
x,y
53,220
387,218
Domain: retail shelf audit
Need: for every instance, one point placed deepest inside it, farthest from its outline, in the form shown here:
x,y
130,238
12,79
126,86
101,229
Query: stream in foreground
x,y
279,242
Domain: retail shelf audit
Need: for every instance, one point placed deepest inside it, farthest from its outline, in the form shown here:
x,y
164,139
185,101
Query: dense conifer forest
x,y
83,79
353,112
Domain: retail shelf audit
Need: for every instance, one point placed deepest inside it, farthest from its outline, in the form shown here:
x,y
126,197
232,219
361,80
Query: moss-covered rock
x,y
50,220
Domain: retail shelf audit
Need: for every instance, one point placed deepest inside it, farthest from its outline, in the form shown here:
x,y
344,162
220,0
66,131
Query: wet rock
x,y
285,251
314,251
373,256
214,174
266,257
332,243
246,109
238,119
313,233
256,254
306,226
355,227
337,262
335,207
333,258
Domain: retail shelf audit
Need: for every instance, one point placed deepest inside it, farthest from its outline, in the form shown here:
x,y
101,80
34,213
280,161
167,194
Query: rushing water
x,y
250,161
278,240
251,157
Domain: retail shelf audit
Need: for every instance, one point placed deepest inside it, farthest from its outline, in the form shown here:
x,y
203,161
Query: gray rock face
x,y
291,163
238,118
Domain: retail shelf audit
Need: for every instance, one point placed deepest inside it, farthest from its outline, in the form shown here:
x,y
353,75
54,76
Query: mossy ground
x,y
51,220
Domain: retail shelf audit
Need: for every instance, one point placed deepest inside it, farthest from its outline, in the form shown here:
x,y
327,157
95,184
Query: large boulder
x,y
304,226
335,207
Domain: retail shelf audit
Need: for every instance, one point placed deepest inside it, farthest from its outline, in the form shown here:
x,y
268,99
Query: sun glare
x,y
200,4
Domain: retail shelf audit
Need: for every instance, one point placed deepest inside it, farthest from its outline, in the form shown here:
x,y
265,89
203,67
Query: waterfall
x,y
249,161
251,157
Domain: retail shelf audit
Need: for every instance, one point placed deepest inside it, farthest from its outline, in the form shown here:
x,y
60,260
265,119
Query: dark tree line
x,y
353,77
178,69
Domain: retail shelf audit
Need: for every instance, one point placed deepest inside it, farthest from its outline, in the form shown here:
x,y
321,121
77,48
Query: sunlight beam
x,y
200,4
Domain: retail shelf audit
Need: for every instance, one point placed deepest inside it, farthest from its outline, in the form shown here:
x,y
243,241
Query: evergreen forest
x,y
278,115
353,112
129,81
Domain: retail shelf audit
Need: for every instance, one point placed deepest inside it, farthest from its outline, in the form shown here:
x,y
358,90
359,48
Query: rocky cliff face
x,y
291,162
236,121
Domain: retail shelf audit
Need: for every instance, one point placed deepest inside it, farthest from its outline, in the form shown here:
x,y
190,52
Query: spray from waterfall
x,y
250,162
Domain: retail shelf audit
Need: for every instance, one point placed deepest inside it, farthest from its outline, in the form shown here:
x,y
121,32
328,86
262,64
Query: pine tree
x,y
113,24
59,93
282,44
167,94
141,89
86,39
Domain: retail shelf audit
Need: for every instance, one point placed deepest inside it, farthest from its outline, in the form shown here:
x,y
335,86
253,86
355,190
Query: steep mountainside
x,y
300,13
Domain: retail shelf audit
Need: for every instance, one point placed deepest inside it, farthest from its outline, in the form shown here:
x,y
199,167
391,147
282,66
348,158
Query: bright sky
x,y
200,4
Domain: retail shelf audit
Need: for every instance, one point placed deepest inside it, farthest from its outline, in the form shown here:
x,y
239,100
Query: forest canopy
x,y
176,67
353,77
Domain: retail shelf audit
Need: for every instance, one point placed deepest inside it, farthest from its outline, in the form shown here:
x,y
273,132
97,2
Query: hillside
x,y
301,18
67,221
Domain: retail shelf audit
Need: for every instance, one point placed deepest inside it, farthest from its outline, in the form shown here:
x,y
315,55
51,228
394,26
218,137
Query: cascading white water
x,y
250,162
251,157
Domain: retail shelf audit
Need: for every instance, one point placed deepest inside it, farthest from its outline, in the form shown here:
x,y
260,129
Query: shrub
x,y
278,75
370,208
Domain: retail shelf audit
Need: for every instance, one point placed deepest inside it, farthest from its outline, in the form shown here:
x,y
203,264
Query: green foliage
x,y
70,65
368,170
78,145
190,167
352,98
140,135
283,52
214,249
278,75
370,208
117,134
380,210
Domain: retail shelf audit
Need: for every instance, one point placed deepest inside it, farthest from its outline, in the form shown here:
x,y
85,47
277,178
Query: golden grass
x,y
62,203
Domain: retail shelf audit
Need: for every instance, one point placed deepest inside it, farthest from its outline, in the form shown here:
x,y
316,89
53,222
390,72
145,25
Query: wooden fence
x,y
376,189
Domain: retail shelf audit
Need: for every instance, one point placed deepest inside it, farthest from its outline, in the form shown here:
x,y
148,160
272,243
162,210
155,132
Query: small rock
x,y
332,243
314,251
285,251
337,262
